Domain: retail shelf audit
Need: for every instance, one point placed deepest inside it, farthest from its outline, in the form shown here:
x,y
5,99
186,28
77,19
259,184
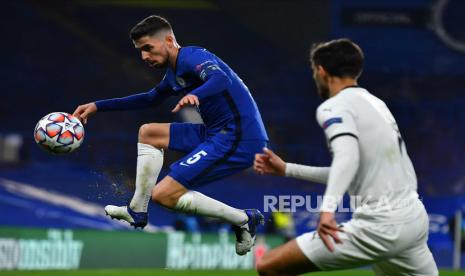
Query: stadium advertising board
x,y
48,249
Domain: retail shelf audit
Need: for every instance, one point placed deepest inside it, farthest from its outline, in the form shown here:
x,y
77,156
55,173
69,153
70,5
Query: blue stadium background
x,y
57,55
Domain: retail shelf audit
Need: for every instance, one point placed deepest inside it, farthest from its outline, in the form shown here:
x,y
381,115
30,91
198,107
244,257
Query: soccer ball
x,y
59,132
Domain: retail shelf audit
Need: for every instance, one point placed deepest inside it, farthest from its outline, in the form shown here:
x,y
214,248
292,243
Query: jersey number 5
x,y
196,157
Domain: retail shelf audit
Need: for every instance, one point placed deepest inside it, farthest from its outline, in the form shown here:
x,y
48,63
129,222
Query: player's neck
x,y
336,85
173,57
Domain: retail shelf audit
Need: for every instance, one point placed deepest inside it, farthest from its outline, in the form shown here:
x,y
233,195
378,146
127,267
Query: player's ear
x,y
169,39
321,71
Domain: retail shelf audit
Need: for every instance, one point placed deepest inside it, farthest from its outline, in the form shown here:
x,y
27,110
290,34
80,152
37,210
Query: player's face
x,y
321,80
154,50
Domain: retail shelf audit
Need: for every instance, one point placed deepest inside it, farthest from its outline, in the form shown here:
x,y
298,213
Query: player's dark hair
x,y
340,57
149,26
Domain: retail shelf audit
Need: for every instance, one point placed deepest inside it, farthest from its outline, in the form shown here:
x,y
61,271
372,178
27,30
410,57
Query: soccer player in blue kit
x,y
232,133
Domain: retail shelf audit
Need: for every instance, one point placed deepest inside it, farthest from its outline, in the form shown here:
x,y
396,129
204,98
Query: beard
x,y
161,65
323,89
161,62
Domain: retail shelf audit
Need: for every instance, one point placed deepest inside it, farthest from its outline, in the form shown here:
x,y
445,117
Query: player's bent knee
x,y
158,196
155,134
164,197
144,133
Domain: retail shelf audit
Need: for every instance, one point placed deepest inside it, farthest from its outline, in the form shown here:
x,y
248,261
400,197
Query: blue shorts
x,y
209,157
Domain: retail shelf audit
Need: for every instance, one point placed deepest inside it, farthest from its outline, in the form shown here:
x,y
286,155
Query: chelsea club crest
x,y
181,81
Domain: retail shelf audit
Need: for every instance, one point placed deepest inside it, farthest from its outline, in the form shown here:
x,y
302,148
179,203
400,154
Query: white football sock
x,y
149,163
196,203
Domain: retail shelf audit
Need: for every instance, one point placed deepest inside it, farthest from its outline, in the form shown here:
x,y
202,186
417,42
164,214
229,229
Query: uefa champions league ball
x,y
59,132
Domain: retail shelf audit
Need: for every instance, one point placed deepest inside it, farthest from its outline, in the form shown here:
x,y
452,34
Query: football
x,y
59,132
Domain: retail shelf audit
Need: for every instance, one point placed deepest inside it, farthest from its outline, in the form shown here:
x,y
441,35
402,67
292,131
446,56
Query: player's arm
x,y
338,122
153,97
215,80
269,162
334,121
343,169
137,101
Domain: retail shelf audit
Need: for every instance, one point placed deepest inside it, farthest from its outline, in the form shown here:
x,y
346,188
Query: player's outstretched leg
x,y
287,259
153,138
175,196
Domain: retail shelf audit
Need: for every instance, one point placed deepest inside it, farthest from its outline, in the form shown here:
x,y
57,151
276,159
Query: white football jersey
x,y
385,175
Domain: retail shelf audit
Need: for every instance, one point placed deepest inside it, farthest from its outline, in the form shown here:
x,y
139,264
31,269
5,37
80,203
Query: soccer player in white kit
x,y
389,226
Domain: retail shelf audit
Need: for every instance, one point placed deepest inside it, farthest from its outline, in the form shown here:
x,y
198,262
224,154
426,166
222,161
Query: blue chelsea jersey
x,y
226,105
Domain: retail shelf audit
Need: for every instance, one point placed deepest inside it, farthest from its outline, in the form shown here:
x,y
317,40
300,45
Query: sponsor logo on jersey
x,y
329,122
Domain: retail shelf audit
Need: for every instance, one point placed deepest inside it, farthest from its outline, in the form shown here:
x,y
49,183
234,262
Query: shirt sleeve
x,y
203,65
137,101
309,173
343,169
338,123
336,120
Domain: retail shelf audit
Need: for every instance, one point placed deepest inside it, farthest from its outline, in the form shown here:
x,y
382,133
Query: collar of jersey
x,y
177,59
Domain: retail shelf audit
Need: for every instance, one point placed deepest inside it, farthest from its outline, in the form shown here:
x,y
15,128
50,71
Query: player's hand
x,y
189,99
269,163
327,227
83,112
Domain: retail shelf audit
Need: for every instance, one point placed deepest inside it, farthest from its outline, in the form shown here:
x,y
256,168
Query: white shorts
x,y
392,249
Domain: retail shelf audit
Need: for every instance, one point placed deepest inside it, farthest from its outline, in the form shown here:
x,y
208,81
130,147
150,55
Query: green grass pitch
x,y
162,272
